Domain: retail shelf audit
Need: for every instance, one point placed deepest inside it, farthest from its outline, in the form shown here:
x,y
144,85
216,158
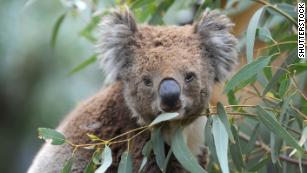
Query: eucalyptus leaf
x,y
56,28
56,137
223,117
68,166
272,124
292,57
209,139
158,147
140,3
274,152
252,141
145,152
90,167
236,152
125,164
283,87
264,34
247,72
302,140
91,60
164,117
168,156
220,137
106,160
89,28
184,155
163,6
251,34
261,163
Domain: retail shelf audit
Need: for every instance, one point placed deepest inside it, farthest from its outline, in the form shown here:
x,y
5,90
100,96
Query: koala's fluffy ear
x,y
118,31
218,43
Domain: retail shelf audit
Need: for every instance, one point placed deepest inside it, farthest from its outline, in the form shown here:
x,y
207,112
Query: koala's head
x,y
167,68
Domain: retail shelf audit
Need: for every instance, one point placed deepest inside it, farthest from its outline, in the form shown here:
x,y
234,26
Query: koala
x,y
150,70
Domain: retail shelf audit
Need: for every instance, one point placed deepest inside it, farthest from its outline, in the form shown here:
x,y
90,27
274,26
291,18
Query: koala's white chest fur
x,y
193,135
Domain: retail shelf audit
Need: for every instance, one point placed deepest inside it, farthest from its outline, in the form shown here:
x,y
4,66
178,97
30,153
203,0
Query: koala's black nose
x,y
170,95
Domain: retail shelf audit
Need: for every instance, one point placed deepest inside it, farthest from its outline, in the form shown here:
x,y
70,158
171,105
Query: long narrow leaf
x,y
273,125
236,152
56,137
220,137
56,28
251,34
223,117
158,147
68,166
184,155
164,117
106,158
83,64
247,72
125,165
292,57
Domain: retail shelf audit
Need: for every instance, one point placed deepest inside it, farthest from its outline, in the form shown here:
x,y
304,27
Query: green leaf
x,y
292,57
298,67
146,152
244,83
232,99
164,117
68,166
184,155
302,140
283,87
140,3
220,137
93,137
274,150
209,139
169,154
106,160
251,34
56,137
90,167
264,160
252,141
223,117
125,164
87,31
247,72
272,124
92,59
158,147
56,28
96,158
156,18
264,34
236,152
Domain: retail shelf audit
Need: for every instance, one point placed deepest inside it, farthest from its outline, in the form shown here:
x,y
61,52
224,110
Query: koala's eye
x,y
189,77
147,81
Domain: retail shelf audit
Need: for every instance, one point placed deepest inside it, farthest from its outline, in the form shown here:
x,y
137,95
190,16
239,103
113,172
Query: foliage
x,y
270,135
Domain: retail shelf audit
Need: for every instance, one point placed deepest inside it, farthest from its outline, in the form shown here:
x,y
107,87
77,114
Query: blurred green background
x,y
35,88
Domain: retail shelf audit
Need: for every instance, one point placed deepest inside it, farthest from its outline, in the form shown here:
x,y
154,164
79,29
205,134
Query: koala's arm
x,y
104,115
